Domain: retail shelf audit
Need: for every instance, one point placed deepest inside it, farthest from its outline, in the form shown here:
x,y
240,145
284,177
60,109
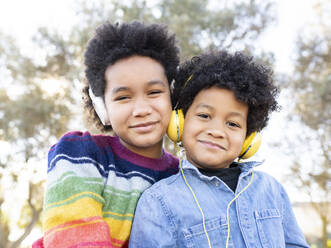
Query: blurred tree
x,y
199,25
4,227
311,87
32,118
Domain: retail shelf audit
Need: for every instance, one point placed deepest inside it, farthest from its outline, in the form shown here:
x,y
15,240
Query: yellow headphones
x,y
176,126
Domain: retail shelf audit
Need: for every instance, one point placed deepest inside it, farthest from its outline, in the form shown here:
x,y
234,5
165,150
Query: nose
x,y
216,130
141,108
216,133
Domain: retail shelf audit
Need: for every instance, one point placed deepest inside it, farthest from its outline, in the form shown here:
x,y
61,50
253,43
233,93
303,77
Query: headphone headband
x,y
189,78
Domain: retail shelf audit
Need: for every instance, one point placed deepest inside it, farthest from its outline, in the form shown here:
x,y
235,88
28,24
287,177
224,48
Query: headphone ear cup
x,y
100,108
176,125
251,145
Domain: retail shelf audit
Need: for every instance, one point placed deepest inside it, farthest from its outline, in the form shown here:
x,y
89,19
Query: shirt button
x,y
217,183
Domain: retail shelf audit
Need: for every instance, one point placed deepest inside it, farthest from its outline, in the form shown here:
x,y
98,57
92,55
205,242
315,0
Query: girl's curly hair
x,y
113,42
250,82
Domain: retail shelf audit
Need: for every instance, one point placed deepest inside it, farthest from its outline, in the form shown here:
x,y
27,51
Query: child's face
x,y
138,103
214,128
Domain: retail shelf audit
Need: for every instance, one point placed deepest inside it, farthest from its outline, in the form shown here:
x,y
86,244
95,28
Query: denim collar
x,y
245,167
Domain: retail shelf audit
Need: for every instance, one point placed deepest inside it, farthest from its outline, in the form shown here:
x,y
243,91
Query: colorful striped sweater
x,y
93,185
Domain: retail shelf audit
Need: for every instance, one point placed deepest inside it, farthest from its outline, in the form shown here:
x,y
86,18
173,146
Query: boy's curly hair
x,y
250,82
113,42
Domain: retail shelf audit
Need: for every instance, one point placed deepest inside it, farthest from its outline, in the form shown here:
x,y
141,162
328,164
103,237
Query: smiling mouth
x,y
146,124
144,128
212,145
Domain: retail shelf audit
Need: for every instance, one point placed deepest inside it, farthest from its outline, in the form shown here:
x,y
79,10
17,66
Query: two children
x,y
94,181
215,201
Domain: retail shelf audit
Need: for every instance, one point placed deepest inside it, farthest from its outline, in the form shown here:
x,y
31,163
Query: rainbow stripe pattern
x,y
93,185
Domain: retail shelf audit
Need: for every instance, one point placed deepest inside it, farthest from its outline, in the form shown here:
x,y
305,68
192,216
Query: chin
x,y
146,143
208,164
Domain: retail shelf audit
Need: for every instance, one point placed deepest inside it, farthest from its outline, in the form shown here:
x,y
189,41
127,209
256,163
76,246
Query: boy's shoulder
x,y
268,181
172,184
265,176
252,166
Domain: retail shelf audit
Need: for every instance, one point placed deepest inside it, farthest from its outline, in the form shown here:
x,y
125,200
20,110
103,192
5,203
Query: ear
x,y
100,108
176,126
251,145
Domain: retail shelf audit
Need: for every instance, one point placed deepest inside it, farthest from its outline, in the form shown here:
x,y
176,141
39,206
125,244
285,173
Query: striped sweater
x,y
93,185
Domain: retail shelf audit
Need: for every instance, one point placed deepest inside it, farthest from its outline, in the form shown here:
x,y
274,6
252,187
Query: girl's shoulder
x,y
78,143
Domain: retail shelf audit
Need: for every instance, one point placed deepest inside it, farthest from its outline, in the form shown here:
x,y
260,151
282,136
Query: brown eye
x,y
155,92
121,98
203,116
233,124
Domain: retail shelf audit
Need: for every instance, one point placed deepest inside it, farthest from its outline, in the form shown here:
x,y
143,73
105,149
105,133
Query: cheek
x,y
188,133
163,107
117,114
166,107
238,141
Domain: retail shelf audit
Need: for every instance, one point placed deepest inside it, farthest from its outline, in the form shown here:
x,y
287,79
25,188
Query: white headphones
x,y
99,107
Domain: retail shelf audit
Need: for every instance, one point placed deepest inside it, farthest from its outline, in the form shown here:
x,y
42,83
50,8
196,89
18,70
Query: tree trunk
x,y
324,232
34,219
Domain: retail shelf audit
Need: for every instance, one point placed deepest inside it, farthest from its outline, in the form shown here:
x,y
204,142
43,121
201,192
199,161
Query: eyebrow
x,y
150,83
237,114
154,82
119,89
203,105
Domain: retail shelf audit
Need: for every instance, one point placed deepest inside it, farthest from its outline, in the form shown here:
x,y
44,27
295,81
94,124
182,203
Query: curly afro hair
x,y
113,42
250,82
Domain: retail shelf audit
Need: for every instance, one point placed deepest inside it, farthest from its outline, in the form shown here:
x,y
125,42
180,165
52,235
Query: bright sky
x,y
21,18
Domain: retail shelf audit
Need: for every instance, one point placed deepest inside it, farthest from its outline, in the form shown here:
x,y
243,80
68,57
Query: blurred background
x,y
41,72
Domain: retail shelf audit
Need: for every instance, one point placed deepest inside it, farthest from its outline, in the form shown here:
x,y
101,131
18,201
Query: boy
x,y
215,201
94,181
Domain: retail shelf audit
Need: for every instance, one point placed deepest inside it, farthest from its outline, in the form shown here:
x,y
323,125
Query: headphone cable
x,y
195,198
197,202
228,208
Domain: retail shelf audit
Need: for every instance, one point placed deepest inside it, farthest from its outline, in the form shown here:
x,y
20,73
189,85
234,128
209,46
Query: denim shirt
x,y
168,216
